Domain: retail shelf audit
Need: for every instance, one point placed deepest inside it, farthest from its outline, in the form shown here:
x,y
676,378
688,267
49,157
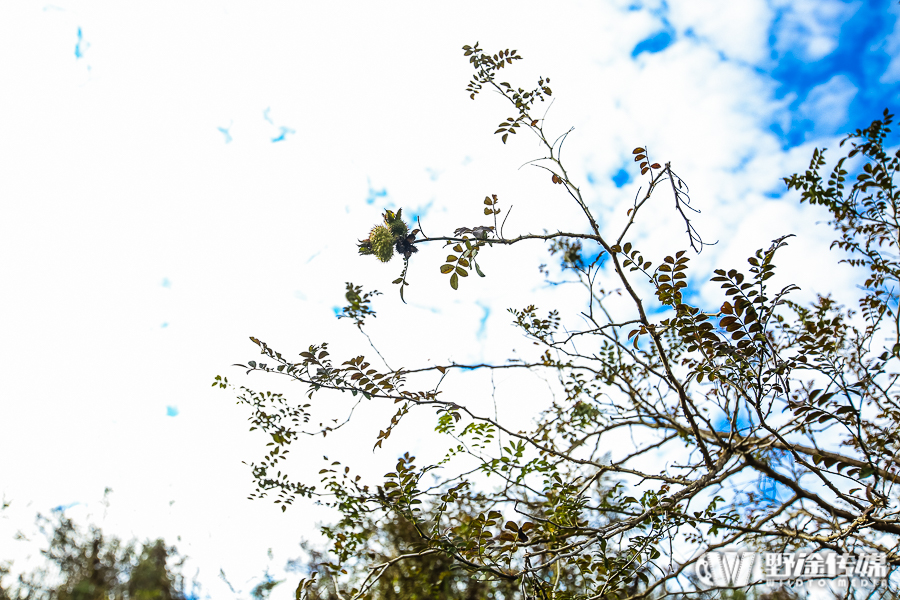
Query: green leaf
x,y
446,269
462,272
454,281
478,269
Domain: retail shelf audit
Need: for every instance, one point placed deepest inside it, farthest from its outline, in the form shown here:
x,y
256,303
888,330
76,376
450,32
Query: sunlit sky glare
x,y
179,176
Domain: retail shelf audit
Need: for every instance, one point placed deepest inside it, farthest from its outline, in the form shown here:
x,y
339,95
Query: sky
x,y
179,176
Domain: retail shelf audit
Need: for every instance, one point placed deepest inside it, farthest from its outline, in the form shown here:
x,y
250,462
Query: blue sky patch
x,y
373,194
417,213
64,507
841,90
164,325
283,132
166,283
79,51
723,424
482,324
653,44
225,131
620,178
590,256
171,411
768,488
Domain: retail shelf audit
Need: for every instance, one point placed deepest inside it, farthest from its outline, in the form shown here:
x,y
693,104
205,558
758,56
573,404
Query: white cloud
x,y
891,46
810,28
739,30
828,103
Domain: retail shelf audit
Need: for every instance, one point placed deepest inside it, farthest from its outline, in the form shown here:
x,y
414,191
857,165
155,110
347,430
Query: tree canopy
x,y
756,421
93,566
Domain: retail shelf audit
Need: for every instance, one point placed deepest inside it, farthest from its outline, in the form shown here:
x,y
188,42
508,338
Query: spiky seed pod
x,y
382,241
399,229
395,223
365,247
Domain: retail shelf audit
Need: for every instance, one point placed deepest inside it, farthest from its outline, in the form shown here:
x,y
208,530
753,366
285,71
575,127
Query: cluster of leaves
x,y
571,254
283,422
866,215
456,264
633,260
486,67
491,205
541,329
358,307
753,420
641,157
423,574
